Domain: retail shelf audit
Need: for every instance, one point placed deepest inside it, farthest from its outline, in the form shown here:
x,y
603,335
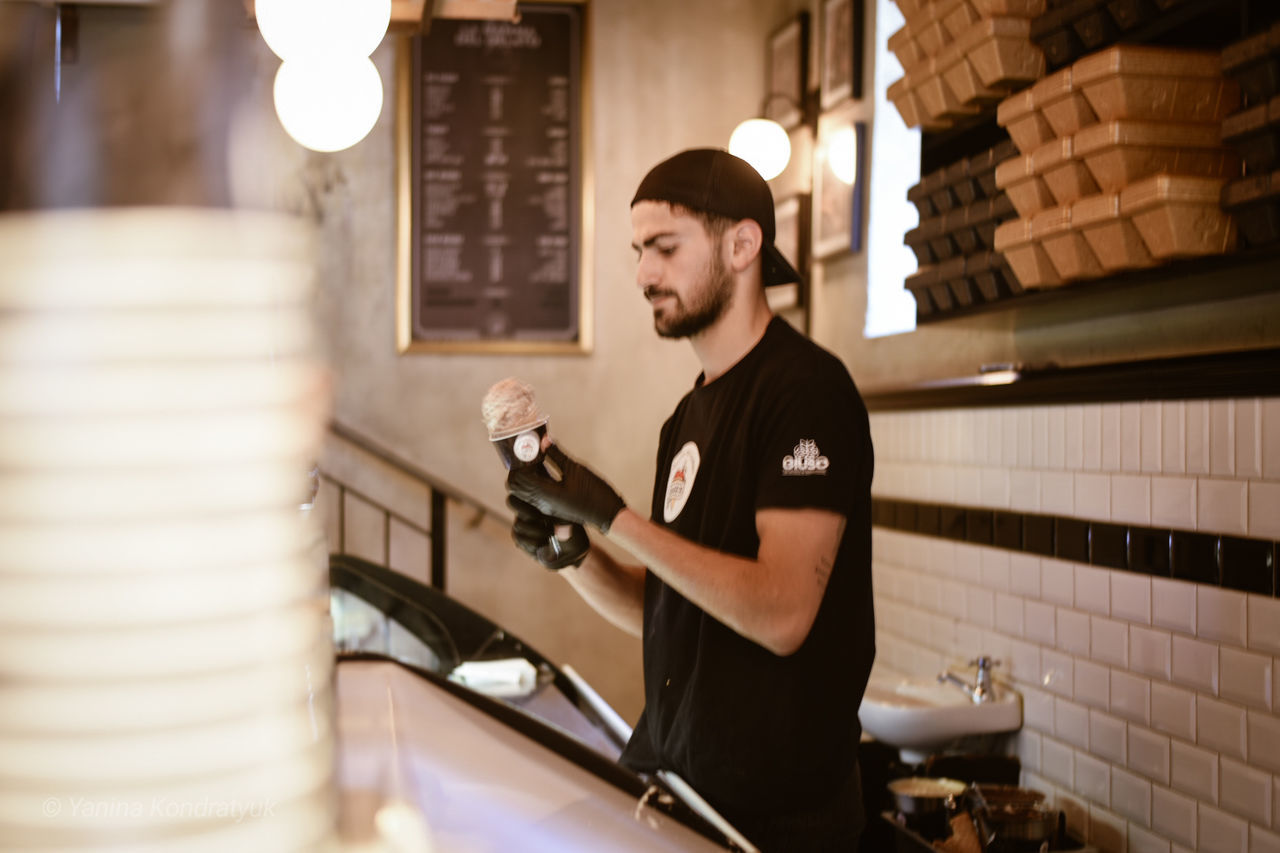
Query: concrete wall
x,y
664,76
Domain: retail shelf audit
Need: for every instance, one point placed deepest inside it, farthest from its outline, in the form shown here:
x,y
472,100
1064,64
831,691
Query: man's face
x,y
680,268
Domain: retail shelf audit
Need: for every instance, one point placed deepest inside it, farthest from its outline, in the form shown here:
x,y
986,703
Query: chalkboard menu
x,y
493,186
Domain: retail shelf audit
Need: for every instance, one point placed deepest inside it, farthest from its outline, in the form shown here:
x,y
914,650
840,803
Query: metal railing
x,y
439,492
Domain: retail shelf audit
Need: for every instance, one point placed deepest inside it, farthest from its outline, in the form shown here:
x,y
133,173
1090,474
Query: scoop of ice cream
x,y
508,408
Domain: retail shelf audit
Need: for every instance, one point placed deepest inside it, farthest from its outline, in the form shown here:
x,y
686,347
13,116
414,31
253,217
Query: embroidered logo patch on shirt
x,y
684,469
805,459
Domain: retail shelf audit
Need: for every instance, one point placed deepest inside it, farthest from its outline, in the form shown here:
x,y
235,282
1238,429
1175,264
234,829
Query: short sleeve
x,y
815,445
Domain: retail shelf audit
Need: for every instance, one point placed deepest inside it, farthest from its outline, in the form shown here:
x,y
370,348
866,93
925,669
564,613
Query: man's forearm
x,y
771,600
613,589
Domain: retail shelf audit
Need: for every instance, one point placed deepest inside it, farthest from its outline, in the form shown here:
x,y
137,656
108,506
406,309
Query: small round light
x,y
763,144
297,29
842,154
328,105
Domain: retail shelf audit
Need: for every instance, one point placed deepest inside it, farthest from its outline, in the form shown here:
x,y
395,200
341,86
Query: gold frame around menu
x,y
405,342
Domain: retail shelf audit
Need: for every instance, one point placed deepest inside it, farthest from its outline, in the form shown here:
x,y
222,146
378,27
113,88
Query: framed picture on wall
x,y
842,35
839,179
788,71
792,239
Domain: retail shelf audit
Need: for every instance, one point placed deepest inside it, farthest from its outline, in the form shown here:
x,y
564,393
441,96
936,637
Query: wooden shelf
x,y
1243,373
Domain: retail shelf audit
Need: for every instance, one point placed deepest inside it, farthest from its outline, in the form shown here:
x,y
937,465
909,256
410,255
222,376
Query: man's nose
x,y
647,272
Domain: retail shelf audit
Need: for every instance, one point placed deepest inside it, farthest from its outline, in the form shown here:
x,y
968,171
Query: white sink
x,y
921,713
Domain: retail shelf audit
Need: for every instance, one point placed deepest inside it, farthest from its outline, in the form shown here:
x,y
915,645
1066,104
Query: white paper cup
x,y
149,258
114,494
48,600
165,546
160,389
285,435
152,704
49,338
98,654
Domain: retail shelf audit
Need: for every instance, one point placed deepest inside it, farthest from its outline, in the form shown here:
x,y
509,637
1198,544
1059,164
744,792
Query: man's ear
x,y
747,243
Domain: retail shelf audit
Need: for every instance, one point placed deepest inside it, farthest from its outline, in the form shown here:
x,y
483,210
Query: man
x,y
754,594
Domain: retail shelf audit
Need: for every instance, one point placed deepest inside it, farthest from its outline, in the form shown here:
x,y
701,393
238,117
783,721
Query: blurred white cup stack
x,y
165,653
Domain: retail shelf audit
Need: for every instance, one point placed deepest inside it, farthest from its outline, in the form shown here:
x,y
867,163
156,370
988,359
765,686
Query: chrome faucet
x,y
981,690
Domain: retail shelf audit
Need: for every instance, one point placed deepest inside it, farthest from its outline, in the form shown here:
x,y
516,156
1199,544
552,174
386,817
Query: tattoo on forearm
x,y
823,570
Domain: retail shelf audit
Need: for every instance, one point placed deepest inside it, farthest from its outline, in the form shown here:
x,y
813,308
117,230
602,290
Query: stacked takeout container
x,y
959,56
1254,200
1070,29
165,651
1122,165
960,208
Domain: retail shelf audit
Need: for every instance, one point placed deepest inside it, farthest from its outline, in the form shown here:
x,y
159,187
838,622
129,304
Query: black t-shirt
x,y
754,732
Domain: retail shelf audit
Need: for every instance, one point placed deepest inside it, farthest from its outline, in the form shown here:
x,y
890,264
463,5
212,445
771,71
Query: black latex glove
x,y
533,532
579,495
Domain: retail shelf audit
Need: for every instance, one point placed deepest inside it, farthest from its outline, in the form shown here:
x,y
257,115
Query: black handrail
x,y
439,491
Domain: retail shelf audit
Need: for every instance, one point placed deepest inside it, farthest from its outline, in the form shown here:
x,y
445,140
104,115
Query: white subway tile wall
x,y
1221,505
1248,439
1145,841
1151,706
1131,795
1246,791
1195,664
1222,833
1270,439
1173,816
1222,438
1173,605
1261,841
1174,710
1173,502
1221,614
1264,510
1194,771
1173,437
1197,438
1107,737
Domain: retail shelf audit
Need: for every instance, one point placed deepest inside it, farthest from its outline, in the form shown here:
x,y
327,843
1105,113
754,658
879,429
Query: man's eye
x,y
666,251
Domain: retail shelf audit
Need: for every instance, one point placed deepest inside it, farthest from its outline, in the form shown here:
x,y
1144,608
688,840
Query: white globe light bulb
x,y
842,154
297,29
328,105
763,144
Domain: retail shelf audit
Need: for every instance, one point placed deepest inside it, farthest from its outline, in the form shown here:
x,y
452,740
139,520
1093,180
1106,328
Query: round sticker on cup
x,y
526,446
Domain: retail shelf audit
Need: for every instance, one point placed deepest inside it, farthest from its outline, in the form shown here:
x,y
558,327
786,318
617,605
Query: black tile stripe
x,y
1071,539
1109,545
1232,562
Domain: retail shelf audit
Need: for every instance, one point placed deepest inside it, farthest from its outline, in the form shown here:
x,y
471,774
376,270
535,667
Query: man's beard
x,y
707,303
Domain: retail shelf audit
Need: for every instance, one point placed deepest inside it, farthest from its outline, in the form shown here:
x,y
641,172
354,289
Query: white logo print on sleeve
x,y
805,459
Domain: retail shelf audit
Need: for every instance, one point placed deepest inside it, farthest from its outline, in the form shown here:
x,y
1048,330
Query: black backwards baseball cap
x,y
714,181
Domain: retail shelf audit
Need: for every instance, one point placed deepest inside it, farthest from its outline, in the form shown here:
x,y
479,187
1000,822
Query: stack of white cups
x,y
165,650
